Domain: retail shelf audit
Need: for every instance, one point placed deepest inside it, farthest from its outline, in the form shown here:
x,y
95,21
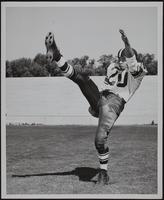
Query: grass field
x,y
63,160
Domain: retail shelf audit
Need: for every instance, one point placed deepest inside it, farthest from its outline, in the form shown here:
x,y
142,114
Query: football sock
x,y
66,68
103,159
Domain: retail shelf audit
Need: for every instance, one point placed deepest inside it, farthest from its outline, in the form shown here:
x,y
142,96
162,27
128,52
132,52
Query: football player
x,y
121,81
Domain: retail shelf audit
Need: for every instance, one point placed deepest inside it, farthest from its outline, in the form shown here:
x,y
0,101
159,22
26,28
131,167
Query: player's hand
x,y
123,36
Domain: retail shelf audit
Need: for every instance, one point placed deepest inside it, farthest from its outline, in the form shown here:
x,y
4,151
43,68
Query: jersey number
x,y
122,79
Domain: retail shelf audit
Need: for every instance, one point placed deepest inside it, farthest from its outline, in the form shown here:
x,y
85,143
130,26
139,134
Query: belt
x,y
105,93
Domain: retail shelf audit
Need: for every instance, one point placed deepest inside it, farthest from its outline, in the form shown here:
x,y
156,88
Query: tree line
x,y
39,67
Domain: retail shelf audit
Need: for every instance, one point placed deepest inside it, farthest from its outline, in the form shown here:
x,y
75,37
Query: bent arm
x,y
128,50
136,68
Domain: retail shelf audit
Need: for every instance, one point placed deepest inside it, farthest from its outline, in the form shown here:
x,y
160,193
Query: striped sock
x,y
66,68
103,159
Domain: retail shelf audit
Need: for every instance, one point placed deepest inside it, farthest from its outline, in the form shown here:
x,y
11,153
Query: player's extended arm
x,y
128,50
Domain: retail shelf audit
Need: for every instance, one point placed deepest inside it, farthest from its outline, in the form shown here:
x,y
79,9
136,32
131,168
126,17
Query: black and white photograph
x,y
81,100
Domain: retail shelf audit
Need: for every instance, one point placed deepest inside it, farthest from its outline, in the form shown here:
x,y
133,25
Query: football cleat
x,y
53,52
103,177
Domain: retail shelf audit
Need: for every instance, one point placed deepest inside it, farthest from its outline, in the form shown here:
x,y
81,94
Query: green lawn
x,y
63,160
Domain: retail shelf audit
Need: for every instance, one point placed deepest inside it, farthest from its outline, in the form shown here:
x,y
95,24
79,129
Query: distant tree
x,y
105,61
38,70
53,69
91,62
83,65
90,67
40,59
27,74
83,61
150,63
25,67
9,72
99,71
74,61
152,68
19,67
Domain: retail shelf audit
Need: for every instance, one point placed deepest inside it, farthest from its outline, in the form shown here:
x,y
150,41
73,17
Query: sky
x,y
79,30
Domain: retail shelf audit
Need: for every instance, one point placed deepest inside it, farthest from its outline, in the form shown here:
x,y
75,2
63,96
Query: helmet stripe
x,y
120,52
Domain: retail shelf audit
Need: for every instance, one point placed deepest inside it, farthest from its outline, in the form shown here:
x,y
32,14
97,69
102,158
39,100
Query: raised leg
x,y
86,85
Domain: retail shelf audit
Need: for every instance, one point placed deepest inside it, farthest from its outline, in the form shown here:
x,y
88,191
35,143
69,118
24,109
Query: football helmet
x,y
121,53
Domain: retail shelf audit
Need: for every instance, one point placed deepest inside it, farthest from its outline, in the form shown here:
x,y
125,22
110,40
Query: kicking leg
x,y
87,86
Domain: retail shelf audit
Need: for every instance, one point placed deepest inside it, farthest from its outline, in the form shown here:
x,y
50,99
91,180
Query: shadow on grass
x,y
84,173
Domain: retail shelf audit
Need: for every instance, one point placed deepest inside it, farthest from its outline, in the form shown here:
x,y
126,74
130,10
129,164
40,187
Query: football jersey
x,y
124,82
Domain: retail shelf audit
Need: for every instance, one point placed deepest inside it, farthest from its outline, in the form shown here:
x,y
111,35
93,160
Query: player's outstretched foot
x,y
103,177
53,52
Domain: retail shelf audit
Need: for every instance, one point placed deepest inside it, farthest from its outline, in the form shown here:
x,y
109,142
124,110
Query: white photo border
x,y
5,5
